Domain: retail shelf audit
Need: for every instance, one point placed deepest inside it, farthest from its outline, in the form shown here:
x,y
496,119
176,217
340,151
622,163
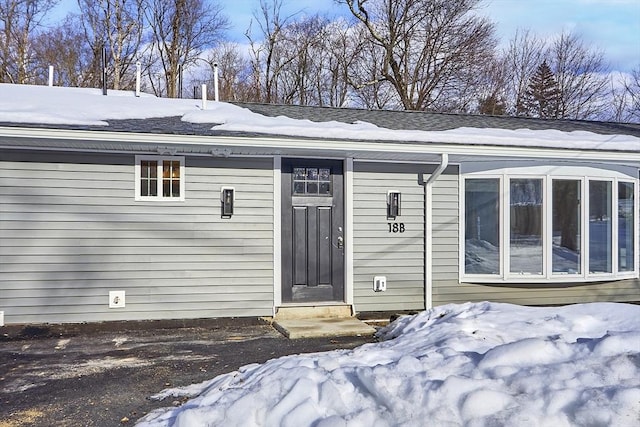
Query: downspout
x,y
428,229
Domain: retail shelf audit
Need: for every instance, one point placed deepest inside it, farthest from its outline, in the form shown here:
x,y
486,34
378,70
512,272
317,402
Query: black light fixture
x,y
227,200
393,204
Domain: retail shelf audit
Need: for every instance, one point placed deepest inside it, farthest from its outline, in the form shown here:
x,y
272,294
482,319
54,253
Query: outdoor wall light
x,y
393,204
227,200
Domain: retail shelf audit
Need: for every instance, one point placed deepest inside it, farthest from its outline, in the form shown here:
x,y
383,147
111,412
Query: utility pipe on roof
x,y
428,230
215,83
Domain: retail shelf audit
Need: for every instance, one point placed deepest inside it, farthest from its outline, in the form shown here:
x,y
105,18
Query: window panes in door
x,y
600,227
311,181
566,226
482,226
626,221
525,241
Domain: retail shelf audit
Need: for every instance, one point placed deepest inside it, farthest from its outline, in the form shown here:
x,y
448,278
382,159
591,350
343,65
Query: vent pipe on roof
x,y
104,70
215,82
50,75
204,96
138,72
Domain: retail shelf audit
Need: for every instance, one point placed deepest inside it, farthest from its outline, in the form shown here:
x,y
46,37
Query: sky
x,y
610,25
473,364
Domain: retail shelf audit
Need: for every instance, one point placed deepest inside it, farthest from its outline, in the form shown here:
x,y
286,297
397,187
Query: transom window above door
x,y
311,181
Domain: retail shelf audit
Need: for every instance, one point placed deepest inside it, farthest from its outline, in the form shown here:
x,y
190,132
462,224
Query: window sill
x,y
542,282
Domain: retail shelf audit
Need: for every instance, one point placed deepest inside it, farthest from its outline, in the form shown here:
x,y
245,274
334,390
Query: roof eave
x,y
267,145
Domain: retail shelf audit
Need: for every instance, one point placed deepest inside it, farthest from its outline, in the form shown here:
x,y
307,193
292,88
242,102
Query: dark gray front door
x,y
312,231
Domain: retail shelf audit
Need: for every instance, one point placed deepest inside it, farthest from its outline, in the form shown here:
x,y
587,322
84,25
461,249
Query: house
x,y
124,208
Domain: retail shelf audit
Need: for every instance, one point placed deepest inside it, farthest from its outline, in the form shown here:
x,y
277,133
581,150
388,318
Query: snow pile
x,y
472,364
76,106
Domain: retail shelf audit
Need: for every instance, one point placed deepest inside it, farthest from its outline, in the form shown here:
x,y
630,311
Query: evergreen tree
x,y
542,97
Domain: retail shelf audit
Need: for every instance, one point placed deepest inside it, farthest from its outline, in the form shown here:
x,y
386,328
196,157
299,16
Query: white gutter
x,y
428,230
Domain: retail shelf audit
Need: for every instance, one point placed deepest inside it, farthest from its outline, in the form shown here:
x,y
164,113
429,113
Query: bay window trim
x,y
505,276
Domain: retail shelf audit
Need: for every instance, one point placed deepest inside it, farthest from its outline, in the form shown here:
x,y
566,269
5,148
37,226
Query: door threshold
x,y
312,304
319,310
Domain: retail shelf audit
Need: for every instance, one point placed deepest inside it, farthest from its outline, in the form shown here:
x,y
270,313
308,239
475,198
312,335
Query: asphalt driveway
x,y
103,374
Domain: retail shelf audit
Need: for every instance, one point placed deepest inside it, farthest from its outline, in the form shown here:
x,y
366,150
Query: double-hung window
x,y
532,225
159,178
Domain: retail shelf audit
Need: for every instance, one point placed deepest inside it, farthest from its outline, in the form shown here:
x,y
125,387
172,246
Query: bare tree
x,y
300,59
582,76
267,62
338,52
234,71
632,88
303,55
524,54
369,89
426,45
625,97
492,90
580,71
116,25
19,22
65,48
181,31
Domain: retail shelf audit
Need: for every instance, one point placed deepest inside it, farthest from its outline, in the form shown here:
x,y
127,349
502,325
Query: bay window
x,y
535,228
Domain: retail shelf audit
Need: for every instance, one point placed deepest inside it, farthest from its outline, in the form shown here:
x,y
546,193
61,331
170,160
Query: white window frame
x,y
159,192
549,174
583,227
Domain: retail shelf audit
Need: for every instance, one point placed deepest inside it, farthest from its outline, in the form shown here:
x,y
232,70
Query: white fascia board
x,y
351,148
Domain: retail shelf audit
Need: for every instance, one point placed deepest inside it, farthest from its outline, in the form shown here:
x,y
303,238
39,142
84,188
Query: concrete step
x,y
314,312
323,327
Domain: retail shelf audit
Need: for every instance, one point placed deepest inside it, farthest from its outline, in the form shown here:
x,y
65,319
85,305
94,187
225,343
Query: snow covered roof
x,y
323,128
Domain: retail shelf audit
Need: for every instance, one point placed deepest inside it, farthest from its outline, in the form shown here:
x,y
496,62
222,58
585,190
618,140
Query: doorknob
x,y
340,242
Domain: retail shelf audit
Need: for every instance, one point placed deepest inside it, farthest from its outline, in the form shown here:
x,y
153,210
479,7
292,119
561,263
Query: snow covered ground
x,y
474,364
81,106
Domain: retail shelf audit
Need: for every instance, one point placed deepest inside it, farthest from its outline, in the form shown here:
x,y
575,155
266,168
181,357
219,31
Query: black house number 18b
x,y
396,227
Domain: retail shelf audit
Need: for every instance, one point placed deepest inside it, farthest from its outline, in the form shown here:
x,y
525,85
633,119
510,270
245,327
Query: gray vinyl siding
x,y
616,291
445,230
376,251
71,231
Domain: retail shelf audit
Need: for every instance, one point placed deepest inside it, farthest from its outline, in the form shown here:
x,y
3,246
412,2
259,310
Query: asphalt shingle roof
x,y
390,119
420,120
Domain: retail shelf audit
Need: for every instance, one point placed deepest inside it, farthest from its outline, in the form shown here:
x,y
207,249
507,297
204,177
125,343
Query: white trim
x,y
508,274
159,197
348,232
277,233
349,147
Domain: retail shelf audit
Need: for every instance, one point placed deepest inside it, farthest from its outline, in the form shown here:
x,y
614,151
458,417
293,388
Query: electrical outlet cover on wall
x,y
116,299
380,283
